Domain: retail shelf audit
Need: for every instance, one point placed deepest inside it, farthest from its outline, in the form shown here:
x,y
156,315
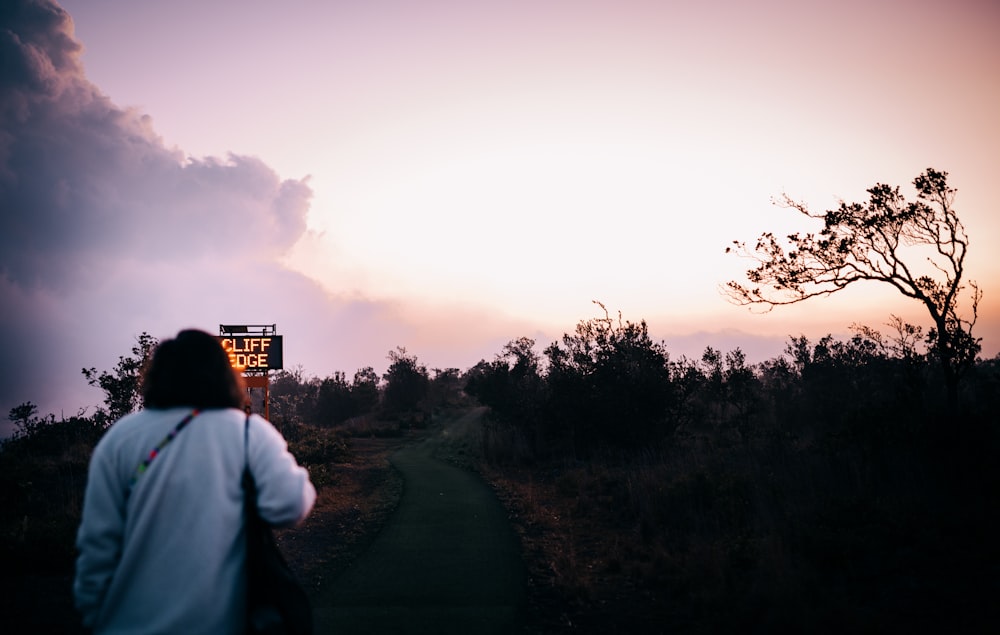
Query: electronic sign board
x,y
253,352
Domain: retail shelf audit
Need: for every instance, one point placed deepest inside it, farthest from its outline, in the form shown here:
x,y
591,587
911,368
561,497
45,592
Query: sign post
x,y
254,349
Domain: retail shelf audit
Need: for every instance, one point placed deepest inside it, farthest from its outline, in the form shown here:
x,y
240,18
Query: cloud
x,y
106,233
85,183
103,229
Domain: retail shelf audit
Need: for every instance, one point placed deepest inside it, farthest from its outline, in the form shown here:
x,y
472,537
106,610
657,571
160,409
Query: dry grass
x,y
356,499
357,491
370,427
718,539
701,539
590,569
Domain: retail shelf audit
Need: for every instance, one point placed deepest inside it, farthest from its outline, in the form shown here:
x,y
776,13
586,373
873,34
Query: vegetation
x,y
917,247
834,488
43,465
406,385
121,386
812,492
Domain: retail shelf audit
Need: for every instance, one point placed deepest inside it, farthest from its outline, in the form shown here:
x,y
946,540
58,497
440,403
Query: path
x,y
446,562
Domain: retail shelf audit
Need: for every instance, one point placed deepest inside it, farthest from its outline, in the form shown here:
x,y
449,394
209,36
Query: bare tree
x,y
918,247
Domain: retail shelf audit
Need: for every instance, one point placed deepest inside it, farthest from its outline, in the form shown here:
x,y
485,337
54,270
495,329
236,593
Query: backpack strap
x,y
155,452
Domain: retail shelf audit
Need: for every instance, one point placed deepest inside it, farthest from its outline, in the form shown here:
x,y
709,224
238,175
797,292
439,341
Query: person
x,y
161,541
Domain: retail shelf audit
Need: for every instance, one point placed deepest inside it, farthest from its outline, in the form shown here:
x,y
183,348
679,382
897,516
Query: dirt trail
x,y
447,561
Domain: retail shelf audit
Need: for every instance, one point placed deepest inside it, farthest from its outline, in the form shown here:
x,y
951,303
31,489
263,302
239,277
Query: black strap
x,y
249,485
247,475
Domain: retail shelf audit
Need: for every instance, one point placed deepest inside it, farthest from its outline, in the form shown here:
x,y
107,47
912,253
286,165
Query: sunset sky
x,y
449,175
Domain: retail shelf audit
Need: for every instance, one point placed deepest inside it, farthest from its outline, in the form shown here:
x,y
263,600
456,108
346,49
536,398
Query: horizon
x,y
447,178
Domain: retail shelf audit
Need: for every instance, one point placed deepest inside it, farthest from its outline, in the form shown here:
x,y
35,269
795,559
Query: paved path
x,y
447,561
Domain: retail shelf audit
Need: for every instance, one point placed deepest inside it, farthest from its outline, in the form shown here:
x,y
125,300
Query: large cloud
x,y
105,233
104,229
85,182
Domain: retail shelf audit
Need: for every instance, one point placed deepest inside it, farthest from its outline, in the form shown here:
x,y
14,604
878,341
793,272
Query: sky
x,y
447,176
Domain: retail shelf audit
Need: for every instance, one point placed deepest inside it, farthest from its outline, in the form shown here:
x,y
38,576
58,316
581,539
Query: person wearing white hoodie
x,y
161,542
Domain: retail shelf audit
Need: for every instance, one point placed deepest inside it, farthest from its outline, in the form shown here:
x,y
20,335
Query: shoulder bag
x,y
276,603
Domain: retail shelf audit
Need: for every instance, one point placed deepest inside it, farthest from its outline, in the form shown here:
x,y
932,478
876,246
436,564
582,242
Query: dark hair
x,y
192,370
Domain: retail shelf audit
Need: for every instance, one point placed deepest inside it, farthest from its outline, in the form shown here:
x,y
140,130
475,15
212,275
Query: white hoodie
x,y
170,556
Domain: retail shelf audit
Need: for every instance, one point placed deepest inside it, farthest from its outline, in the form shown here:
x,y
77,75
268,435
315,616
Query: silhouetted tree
x,y
333,402
512,386
445,388
364,390
609,383
23,416
687,382
918,247
741,392
121,385
406,383
292,396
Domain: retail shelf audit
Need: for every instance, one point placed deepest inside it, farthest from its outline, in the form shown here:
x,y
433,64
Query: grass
x,y
770,537
42,478
701,536
41,491
356,499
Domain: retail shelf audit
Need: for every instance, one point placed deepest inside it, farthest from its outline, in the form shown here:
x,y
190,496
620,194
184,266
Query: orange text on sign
x,y
247,352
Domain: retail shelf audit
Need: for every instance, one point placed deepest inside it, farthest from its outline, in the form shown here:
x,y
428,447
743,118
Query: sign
x,y
253,352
